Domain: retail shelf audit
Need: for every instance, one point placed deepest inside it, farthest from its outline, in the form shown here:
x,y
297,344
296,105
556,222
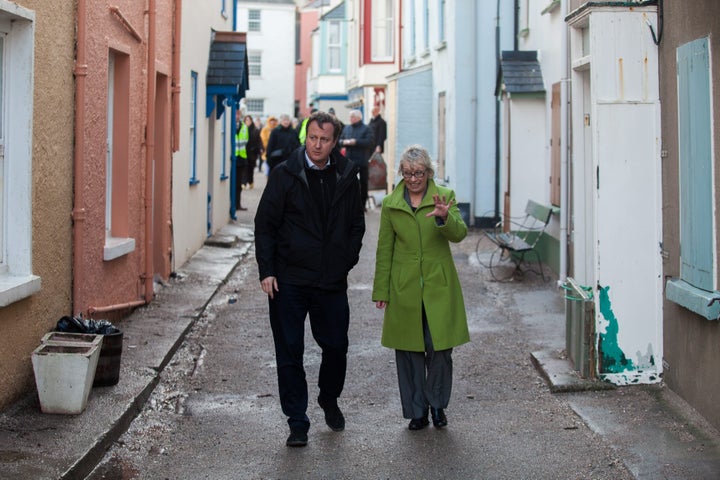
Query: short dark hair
x,y
321,118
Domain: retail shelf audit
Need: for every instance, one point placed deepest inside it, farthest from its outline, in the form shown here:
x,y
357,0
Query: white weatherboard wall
x,y
617,215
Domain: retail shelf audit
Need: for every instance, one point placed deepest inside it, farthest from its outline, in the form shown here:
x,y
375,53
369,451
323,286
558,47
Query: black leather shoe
x,y
297,438
438,417
333,416
419,423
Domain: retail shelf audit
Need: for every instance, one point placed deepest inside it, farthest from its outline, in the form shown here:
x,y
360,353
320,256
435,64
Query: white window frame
x,y
334,47
255,63
252,104
383,20
16,278
254,20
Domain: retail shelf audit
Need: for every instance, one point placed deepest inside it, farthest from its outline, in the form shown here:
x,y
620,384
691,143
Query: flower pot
x,y
64,373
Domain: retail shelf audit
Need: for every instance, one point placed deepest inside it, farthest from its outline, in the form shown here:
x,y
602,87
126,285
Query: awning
x,y
520,73
227,74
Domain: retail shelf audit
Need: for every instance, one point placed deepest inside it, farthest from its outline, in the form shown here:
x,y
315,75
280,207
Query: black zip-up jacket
x,y
290,241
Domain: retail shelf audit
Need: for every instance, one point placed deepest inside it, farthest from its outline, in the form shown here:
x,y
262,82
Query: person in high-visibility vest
x,y
241,140
302,131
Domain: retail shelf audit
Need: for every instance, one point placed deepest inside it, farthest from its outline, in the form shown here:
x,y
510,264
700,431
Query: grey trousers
x,y
424,378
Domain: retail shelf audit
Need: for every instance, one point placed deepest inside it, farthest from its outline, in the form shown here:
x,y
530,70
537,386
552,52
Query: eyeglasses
x,y
408,175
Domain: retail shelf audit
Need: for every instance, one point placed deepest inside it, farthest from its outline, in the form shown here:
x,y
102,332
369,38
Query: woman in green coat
x,y
417,284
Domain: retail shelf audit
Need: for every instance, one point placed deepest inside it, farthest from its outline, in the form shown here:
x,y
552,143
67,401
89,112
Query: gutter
x,y
564,149
78,213
150,148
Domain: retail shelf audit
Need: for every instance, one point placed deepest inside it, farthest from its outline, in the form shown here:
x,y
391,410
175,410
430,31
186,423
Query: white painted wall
x,y
615,83
276,42
189,202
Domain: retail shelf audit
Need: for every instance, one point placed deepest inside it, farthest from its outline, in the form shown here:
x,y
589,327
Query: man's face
x,y
354,118
285,122
319,142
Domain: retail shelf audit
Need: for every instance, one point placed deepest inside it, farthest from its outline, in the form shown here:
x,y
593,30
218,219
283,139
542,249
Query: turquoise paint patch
x,y
613,358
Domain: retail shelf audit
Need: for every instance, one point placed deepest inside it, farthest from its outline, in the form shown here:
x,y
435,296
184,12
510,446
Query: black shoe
x,y
419,423
438,416
333,416
297,438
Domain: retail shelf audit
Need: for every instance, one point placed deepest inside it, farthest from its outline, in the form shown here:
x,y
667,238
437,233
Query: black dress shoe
x,y
438,417
419,423
333,416
297,438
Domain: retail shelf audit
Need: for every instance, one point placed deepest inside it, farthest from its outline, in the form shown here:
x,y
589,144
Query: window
x,y
193,132
334,46
253,20
255,64
117,242
441,20
382,34
255,106
426,25
17,30
697,221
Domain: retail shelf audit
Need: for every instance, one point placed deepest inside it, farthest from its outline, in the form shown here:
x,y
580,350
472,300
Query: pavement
x,y
655,433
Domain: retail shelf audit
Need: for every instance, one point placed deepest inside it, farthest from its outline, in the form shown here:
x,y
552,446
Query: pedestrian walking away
x,y
308,234
357,139
417,284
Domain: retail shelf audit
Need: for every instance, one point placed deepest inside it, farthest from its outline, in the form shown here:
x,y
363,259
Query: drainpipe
x,y
497,116
564,148
150,149
176,77
78,213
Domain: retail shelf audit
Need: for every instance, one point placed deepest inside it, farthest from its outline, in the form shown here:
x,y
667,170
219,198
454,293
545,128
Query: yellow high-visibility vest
x,y
241,140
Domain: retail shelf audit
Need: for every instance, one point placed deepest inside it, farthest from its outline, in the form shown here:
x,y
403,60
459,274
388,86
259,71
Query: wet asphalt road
x,y
216,414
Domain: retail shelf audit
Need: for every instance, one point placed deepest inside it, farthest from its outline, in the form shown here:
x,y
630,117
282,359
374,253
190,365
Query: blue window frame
x,y
193,130
697,223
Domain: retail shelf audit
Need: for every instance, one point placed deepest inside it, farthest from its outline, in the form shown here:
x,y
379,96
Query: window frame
x,y
255,63
254,24
16,278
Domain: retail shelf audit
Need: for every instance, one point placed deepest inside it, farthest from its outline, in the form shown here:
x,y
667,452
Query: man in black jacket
x,y
283,140
357,139
308,233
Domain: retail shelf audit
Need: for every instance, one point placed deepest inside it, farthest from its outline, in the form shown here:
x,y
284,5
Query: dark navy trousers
x,y
329,314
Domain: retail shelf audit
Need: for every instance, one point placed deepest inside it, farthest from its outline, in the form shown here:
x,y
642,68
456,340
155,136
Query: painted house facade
x,y
37,42
689,76
204,171
326,83
271,42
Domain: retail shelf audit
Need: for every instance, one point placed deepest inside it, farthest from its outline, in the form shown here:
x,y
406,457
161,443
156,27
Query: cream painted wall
x,y
23,323
189,205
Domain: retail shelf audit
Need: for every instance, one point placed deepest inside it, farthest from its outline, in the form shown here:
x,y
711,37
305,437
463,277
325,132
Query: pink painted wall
x,y
308,22
100,283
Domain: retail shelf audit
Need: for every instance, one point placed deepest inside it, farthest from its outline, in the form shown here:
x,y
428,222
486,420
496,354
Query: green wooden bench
x,y
509,259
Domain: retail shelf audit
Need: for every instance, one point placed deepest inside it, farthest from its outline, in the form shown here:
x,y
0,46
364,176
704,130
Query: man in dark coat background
x,y
378,127
357,139
283,141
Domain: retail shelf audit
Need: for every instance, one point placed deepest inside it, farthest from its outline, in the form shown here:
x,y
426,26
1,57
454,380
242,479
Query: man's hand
x,y
269,285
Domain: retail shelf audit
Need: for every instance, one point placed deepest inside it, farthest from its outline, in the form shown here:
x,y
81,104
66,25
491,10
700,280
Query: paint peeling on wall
x,y
614,366
613,358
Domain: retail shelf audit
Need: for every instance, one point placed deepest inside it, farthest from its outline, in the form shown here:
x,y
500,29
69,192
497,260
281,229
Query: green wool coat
x,y
414,266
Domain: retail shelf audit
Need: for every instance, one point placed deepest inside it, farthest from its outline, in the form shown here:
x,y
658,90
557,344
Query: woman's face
x,y
415,176
248,121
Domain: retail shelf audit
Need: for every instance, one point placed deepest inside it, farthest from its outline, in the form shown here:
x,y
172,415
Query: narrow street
x,y
216,415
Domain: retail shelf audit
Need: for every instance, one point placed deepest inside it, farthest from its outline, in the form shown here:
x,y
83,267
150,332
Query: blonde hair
x,y
417,155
